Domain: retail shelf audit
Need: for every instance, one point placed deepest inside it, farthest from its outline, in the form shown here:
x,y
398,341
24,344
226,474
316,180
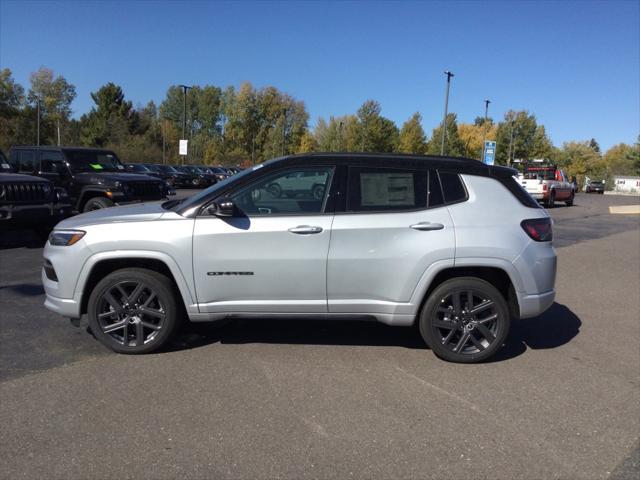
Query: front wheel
x,y
133,310
97,203
465,320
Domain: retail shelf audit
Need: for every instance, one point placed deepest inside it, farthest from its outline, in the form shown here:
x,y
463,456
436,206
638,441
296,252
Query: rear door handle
x,y
427,226
305,230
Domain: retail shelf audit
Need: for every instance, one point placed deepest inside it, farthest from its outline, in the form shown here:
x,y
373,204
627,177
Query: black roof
x,y
453,164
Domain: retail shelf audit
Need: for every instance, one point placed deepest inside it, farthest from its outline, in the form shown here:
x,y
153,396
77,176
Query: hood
x,y
109,178
139,212
18,178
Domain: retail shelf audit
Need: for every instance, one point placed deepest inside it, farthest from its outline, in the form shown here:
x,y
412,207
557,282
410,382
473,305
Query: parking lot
x,y
320,399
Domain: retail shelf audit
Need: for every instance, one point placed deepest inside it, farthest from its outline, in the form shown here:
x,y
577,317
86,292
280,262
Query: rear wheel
x,y
97,203
551,201
570,201
465,320
134,310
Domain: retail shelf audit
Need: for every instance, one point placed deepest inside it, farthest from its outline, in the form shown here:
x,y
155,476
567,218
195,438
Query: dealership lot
x,y
287,399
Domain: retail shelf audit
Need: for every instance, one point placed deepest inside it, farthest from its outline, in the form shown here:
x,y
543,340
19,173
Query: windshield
x,y
134,167
187,202
93,161
217,170
540,174
166,168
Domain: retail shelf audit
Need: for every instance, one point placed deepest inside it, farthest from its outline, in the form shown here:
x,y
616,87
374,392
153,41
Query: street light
x,y
184,112
446,108
484,138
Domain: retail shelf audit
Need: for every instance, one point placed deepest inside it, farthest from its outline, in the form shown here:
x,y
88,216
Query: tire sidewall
x,y
101,201
462,284
163,289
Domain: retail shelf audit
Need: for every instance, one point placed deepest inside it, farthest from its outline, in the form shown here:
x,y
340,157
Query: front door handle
x,y
305,230
427,226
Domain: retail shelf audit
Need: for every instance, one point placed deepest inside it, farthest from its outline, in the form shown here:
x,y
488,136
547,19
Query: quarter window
x,y
301,191
452,187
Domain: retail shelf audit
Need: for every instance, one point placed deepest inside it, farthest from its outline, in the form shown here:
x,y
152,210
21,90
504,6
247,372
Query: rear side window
x,y
452,187
50,161
27,159
386,189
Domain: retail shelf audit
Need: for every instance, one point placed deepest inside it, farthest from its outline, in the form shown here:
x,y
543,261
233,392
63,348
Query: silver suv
x,y
453,246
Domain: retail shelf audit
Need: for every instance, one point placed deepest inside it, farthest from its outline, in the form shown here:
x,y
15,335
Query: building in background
x,y
626,184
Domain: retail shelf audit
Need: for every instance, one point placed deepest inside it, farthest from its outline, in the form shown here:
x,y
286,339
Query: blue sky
x,y
576,65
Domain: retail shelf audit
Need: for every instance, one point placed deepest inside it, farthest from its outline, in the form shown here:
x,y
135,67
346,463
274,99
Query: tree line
x,y
248,125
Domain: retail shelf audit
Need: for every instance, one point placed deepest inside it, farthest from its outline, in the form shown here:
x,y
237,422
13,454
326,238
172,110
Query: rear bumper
x,y
534,305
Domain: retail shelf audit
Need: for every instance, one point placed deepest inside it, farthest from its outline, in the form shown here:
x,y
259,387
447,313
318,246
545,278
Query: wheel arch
x,y
87,194
99,266
495,275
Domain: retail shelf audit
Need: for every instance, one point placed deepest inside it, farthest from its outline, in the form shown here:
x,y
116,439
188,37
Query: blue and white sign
x,y
489,152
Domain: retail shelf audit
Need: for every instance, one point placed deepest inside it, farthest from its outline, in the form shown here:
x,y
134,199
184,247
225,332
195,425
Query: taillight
x,y
545,187
539,229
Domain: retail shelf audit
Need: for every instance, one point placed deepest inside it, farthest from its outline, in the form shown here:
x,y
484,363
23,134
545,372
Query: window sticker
x,y
386,189
95,166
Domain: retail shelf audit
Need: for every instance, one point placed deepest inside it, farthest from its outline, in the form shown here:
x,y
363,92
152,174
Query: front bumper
x,y
42,215
67,307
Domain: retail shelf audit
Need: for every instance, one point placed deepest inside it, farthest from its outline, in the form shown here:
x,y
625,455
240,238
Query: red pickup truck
x,y
548,184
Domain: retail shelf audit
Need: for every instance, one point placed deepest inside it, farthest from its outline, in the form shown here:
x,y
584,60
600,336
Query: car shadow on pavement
x,y
24,289
21,238
556,327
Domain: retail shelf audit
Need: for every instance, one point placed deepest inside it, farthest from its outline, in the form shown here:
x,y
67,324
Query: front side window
x,y
300,191
93,161
50,161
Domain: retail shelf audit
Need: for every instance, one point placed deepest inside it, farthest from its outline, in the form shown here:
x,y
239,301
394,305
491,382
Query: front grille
x,y
25,192
145,189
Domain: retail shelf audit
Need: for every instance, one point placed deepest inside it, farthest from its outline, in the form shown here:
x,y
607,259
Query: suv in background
x,y
594,187
548,184
94,178
28,202
452,245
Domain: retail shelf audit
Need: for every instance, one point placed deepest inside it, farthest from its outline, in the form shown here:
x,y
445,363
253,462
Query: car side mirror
x,y
222,207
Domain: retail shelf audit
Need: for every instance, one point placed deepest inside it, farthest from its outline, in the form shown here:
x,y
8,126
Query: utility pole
x,y
446,108
38,121
486,117
340,149
510,141
184,113
284,126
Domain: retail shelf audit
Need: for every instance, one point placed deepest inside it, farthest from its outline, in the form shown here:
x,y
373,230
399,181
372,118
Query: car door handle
x,y
426,226
305,230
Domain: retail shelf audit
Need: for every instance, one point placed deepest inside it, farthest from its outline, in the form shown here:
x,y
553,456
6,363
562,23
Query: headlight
x,y
65,238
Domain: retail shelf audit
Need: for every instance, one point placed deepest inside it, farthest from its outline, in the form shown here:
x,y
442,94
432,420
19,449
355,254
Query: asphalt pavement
x,y
321,399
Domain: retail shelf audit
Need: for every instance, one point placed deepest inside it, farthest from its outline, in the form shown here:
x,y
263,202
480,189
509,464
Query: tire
x,y
570,201
318,192
134,328
275,190
550,203
456,335
97,203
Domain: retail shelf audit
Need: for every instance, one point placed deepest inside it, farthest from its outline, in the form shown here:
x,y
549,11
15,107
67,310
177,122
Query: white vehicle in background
x,y
299,183
547,184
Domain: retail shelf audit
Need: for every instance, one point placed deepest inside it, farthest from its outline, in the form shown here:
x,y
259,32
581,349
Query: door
x,y
395,226
269,258
52,167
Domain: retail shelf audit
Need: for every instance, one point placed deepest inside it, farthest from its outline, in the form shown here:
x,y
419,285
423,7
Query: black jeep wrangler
x,y
28,202
93,177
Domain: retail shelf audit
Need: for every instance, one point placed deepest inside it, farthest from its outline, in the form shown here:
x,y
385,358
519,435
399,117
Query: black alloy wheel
x,y
465,320
133,310
97,203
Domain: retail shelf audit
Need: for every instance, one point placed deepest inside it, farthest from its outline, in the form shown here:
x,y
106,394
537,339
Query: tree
x,y
579,159
111,120
453,146
412,138
529,141
623,159
11,94
54,94
471,136
375,133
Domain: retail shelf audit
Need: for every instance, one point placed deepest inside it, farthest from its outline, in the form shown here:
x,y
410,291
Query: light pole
x,y
446,108
38,121
184,112
484,138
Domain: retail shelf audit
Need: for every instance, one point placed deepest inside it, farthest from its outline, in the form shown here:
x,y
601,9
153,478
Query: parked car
x,y
172,176
595,187
30,202
198,179
218,172
299,183
548,184
453,245
94,178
